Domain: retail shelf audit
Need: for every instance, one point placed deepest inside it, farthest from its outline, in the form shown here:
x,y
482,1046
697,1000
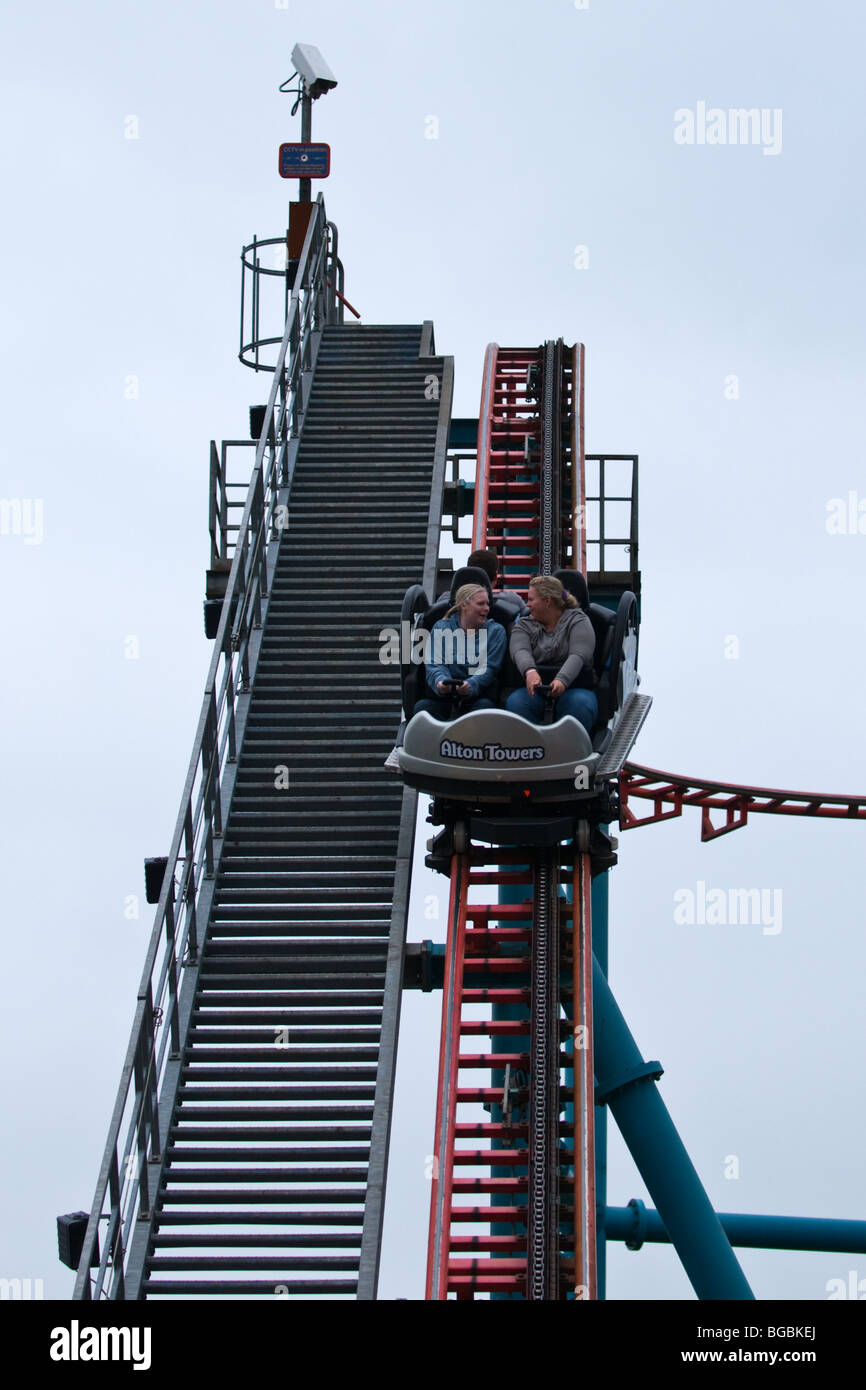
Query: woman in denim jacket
x,y
464,646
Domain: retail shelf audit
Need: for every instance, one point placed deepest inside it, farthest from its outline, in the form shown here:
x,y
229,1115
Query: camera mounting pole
x,y
305,186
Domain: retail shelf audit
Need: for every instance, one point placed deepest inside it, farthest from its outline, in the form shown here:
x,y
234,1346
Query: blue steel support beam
x,y
627,1083
635,1224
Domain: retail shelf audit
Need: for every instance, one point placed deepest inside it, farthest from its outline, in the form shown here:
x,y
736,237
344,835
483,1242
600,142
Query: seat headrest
x,y
574,582
506,609
432,614
470,574
602,616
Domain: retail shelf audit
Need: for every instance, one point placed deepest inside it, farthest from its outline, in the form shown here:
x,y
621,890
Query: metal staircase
x,y
248,1145
275,1108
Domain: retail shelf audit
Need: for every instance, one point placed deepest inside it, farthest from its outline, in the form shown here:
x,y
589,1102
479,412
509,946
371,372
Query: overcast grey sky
x,y
718,289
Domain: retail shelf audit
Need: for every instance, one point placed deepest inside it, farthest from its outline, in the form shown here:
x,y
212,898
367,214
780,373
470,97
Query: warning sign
x,y
305,161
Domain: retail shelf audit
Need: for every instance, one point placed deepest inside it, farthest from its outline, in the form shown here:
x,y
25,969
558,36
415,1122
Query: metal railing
x,y
603,536
252,341
133,1153
225,496
460,464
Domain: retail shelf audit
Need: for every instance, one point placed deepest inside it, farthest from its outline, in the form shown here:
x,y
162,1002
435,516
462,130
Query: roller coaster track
x,y
530,488
533,1181
526,959
669,793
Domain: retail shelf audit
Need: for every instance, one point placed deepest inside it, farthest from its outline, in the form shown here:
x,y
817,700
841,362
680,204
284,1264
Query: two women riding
x,y
555,634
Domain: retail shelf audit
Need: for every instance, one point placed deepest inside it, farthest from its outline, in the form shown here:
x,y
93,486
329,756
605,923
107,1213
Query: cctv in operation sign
x,y
305,161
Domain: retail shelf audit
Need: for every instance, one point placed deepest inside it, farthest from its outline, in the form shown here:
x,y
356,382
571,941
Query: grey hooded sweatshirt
x,y
570,645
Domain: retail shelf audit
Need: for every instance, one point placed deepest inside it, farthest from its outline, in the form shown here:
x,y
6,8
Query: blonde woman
x,y
556,633
464,646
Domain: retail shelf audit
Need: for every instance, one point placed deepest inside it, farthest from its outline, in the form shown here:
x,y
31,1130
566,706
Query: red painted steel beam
x,y
578,517
736,802
468,1285
498,965
447,1094
511,1244
491,1158
485,424
492,1061
515,1216
482,1094
487,1215
584,1082
494,911
477,1129
518,1028
481,938
497,996
465,1185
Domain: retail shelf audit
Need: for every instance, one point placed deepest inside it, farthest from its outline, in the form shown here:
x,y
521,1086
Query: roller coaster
x,y
248,1147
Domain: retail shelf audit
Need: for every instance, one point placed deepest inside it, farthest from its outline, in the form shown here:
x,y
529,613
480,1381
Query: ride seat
x,y
576,584
603,619
469,574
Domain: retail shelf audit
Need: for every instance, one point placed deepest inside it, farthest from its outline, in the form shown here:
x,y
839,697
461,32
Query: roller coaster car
x,y
494,756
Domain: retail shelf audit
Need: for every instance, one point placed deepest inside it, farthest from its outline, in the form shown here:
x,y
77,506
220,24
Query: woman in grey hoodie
x,y
556,633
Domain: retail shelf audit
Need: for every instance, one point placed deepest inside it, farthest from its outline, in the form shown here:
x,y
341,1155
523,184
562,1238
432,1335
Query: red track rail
x,y
487,963
666,790
507,485
576,538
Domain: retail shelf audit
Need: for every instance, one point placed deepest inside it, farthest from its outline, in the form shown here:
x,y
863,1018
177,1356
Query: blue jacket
x,y
448,642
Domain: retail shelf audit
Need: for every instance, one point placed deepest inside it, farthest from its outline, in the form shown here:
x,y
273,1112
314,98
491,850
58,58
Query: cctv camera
x,y
312,67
